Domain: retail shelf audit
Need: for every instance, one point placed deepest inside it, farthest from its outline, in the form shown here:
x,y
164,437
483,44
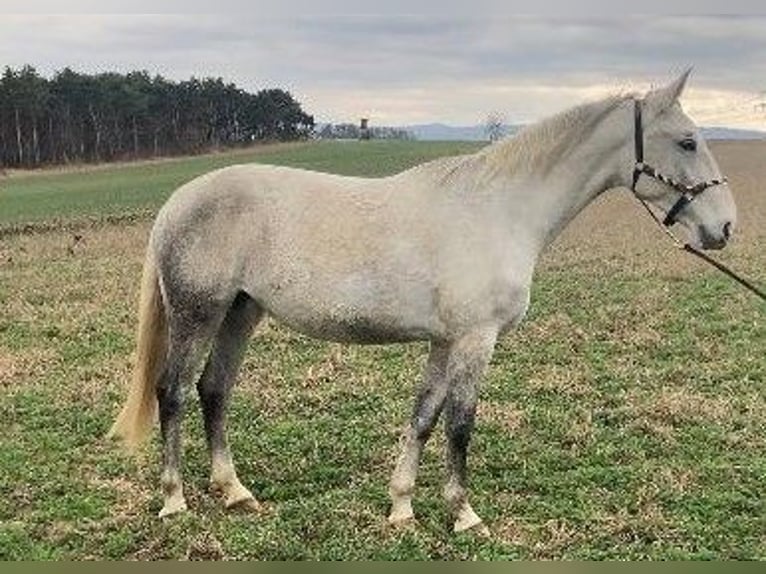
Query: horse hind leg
x,y
185,353
214,387
193,318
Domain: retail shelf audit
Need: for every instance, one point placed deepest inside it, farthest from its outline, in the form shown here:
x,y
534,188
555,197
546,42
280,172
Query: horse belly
x,y
352,310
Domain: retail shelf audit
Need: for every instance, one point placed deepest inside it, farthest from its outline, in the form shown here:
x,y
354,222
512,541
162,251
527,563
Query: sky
x,y
402,69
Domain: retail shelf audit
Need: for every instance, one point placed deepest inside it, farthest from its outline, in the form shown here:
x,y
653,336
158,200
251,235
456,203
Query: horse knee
x,y
427,412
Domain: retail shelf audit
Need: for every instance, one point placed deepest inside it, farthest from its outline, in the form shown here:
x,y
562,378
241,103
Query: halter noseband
x,y
688,192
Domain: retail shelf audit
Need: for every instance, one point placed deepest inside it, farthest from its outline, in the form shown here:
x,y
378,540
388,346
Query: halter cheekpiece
x,y
688,192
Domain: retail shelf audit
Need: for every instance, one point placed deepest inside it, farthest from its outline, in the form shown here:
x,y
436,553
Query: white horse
x,y
443,252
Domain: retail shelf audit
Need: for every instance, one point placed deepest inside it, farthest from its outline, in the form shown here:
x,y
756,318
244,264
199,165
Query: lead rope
x,y
694,251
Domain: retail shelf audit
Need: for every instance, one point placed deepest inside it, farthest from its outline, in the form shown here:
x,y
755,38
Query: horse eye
x,y
689,144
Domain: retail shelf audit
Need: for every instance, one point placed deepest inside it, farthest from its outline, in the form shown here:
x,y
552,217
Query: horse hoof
x,y
401,512
477,528
246,504
173,507
402,521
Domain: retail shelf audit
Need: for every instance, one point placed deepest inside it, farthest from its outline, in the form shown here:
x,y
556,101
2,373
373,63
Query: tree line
x,y
76,117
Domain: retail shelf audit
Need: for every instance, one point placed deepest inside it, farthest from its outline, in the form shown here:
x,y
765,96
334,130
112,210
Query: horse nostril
x,y
727,230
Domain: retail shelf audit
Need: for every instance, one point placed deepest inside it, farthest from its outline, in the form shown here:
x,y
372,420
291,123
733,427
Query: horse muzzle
x,y
714,238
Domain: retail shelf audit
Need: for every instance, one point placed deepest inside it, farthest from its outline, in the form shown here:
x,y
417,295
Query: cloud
x,y
400,69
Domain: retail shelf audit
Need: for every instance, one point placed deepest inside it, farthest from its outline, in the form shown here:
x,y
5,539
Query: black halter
x,y
688,192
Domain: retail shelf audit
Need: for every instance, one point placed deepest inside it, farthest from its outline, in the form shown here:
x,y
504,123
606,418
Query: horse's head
x,y
684,179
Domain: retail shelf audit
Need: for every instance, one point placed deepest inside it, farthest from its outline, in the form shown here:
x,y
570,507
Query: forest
x,y
75,117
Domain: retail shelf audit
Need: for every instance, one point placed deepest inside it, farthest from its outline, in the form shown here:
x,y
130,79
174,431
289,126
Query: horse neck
x,y
541,200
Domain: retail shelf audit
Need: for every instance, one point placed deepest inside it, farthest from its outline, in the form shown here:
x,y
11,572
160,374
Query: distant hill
x,y
716,133
444,132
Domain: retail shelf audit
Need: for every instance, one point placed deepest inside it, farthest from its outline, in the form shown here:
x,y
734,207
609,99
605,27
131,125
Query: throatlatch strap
x,y
638,132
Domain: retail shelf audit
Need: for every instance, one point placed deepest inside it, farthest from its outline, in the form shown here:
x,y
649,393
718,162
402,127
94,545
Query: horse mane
x,y
540,146
537,147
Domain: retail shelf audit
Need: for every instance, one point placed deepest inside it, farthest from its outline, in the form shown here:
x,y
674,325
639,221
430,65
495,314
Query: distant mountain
x,y
444,132
717,133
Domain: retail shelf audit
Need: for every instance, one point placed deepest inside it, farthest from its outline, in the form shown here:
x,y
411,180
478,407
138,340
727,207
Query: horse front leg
x,y
467,363
428,407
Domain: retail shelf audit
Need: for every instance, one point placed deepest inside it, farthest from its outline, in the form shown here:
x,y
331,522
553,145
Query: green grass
x,y
625,419
129,188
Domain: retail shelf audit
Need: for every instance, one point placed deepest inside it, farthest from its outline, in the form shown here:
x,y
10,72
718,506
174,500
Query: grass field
x,y
124,190
625,419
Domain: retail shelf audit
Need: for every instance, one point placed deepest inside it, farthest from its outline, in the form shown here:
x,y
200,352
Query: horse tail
x,y
140,409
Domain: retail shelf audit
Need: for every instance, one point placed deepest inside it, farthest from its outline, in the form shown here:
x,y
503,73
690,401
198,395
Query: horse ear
x,y
662,98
